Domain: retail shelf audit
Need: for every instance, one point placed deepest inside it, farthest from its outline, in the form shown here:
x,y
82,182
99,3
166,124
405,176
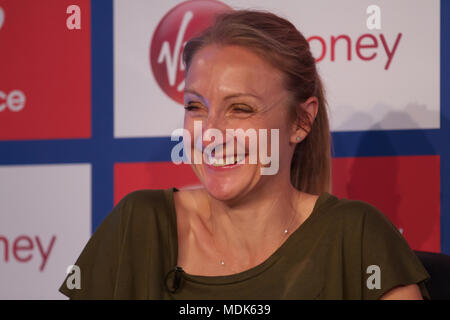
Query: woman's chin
x,y
227,182
225,189
224,193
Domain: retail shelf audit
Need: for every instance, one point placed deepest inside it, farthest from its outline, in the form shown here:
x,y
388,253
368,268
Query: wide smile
x,y
225,163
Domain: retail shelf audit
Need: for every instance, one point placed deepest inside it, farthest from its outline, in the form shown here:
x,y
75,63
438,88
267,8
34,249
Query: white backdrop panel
x,y
45,220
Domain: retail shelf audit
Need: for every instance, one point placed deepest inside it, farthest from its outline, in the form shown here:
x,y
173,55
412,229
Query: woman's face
x,y
230,87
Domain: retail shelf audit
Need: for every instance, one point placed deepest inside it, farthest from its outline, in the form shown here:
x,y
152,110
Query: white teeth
x,y
230,160
219,162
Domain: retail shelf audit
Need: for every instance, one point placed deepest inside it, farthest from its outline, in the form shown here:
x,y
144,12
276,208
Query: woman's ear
x,y
306,114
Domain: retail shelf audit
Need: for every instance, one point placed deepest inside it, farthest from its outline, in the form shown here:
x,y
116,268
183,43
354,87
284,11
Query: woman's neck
x,y
251,230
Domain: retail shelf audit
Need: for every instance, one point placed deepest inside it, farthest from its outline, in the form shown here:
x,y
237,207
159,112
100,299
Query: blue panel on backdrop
x,y
445,127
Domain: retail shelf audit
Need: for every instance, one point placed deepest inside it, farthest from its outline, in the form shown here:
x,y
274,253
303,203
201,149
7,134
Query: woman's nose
x,y
213,121
214,127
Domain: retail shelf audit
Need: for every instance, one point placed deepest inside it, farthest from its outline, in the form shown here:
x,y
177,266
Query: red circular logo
x,y
180,24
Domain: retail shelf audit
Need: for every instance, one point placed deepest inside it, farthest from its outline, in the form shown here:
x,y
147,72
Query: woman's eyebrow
x,y
238,95
193,92
230,96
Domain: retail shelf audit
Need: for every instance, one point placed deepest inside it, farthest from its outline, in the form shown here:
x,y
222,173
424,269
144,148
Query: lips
x,y
218,163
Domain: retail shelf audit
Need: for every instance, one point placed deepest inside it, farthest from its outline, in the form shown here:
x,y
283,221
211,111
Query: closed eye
x,y
191,106
241,108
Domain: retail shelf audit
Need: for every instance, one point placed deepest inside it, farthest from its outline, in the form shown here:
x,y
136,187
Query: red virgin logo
x,y
180,24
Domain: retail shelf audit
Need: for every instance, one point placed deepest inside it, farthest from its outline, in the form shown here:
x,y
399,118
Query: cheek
x,y
277,124
187,122
189,125
188,133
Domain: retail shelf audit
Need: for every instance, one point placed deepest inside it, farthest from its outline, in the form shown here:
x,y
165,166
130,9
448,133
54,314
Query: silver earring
x,y
298,139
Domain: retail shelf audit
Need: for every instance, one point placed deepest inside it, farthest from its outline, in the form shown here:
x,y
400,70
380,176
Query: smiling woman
x,y
243,234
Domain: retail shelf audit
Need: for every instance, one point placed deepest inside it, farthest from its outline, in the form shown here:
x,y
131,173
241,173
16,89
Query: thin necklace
x,y
285,233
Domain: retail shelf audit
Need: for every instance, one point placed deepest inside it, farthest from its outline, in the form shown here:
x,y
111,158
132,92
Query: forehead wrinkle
x,y
220,73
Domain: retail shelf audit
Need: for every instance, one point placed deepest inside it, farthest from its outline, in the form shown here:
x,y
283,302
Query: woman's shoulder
x,y
144,208
350,209
141,219
352,217
145,197
371,240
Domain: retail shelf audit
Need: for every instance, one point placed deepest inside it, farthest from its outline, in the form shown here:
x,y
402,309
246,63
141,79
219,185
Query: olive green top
x,y
337,253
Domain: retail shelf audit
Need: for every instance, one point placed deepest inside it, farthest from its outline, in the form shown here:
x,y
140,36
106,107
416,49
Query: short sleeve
x,y
98,262
385,253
